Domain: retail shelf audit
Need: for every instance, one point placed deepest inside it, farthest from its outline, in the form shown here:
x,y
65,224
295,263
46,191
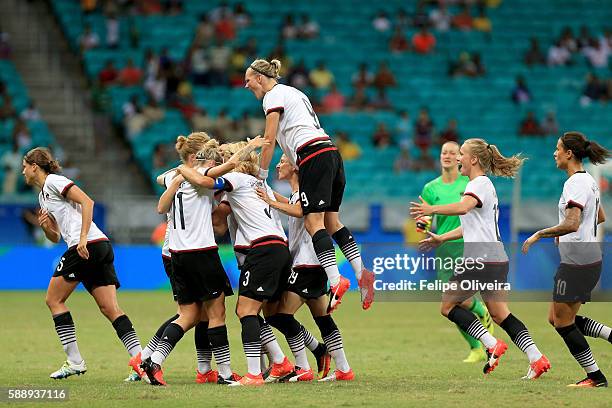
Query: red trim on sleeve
x,y
278,109
479,205
572,204
65,190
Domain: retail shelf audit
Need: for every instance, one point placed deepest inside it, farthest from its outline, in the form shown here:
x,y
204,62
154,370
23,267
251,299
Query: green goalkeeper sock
x,y
478,308
471,341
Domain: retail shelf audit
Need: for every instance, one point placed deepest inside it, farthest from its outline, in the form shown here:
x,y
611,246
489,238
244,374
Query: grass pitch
x,y
403,354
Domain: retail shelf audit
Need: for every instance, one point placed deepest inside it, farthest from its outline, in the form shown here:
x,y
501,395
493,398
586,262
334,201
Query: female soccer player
x,y
447,189
200,281
580,212
306,284
66,213
484,257
291,120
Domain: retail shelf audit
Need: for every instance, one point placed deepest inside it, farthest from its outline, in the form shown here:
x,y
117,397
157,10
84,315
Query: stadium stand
x,y
482,105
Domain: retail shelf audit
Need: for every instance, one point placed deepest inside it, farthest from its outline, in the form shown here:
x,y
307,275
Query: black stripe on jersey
x,y
479,205
572,204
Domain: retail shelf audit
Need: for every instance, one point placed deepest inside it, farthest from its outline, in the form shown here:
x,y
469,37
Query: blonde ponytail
x,y
492,161
270,69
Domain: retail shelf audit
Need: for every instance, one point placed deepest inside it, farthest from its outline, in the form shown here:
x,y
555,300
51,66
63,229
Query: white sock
x,y
73,353
225,370
253,366
488,340
275,352
357,266
533,354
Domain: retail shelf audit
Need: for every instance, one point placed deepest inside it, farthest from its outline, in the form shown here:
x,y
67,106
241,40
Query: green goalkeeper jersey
x,y
437,192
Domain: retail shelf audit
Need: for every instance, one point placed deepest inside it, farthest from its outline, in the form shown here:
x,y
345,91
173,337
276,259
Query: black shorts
x,y
98,270
322,179
199,276
309,282
168,269
265,272
489,279
574,283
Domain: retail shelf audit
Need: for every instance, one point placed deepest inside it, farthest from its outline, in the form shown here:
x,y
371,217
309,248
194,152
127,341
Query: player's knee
x,y
445,308
551,320
53,302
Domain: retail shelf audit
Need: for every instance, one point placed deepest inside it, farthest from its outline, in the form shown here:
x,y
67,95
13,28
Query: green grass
x,y
403,354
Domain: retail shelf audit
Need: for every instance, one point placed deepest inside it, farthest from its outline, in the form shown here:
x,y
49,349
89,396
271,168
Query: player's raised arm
x,y
165,201
467,203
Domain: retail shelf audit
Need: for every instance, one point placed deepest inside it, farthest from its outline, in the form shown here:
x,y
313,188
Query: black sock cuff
x,y
63,319
122,325
326,325
249,319
262,321
202,325
321,234
219,330
512,325
580,322
564,331
273,321
165,324
342,236
175,330
452,314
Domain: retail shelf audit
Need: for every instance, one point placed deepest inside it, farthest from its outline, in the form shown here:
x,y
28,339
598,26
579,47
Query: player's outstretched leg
x,y
333,340
338,285
74,364
578,346
292,330
319,350
146,352
204,353
538,363
592,328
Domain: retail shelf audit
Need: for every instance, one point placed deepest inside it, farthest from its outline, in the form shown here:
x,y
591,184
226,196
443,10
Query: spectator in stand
x,y
242,18
321,77
254,125
280,54
109,74
420,19
133,119
463,21
398,42
382,137
21,135
289,30
225,28
530,126
384,78
238,60
593,91
558,55
402,20
440,18
423,42
7,110
219,62
5,45
381,22
467,65
348,149
200,65
152,111
160,157
359,100
403,162
112,31
88,39
30,113
521,93
362,77
217,13
88,6
534,55
450,134
130,75
11,162
299,76
151,64
568,41
482,22
334,101
221,123
308,28
165,60
606,40
202,122
184,100
423,131
596,54
381,100
403,130
584,38
550,126
205,30
174,7
156,87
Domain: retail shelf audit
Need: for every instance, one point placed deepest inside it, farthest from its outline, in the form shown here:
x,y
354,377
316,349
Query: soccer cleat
x,y
301,374
494,354
232,379
248,380
323,360
135,363
366,287
154,372
68,369
133,377
537,368
266,373
339,376
476,355
280,371
590,383
336,292
211,376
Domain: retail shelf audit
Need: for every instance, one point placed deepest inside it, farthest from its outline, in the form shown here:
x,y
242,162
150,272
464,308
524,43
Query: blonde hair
x,y
42,157
187,145
248,166
269,69
492,161
210,151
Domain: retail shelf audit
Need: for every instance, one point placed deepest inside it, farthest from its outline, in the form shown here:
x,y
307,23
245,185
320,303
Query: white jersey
x,y
166,246
191,218
254,217
238,241
580,190
67,214
480,223
300,242
298,124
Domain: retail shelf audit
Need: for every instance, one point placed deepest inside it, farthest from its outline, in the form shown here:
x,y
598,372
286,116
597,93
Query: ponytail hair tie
x,y
587,144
